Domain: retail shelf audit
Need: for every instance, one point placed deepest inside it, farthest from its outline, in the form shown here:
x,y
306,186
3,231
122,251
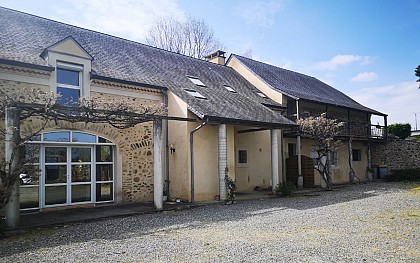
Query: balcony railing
x,y
364,130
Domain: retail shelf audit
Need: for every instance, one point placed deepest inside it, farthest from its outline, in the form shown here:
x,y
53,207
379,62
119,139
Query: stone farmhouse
x,y
231,118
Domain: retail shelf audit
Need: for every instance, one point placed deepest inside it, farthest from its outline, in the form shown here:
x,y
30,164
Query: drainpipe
x,y
165,94
192,157
283,179
300,178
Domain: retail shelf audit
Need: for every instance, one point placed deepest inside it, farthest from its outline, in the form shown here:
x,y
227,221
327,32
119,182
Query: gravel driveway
x,y
375,222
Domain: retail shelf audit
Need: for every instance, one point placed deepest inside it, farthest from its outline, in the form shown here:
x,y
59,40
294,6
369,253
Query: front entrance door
x,y
67,173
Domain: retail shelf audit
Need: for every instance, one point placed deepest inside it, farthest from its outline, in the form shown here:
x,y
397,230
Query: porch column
x,y
222,161
12,154
274,159
158,164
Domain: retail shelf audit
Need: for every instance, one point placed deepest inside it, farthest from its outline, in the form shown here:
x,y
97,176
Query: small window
x,y
229,88
68,86
196,81
195,94
262,95
333,158
242,156
357,154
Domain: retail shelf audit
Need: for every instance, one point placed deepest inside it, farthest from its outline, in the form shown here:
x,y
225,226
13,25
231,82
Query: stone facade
x,y
134,145
396,154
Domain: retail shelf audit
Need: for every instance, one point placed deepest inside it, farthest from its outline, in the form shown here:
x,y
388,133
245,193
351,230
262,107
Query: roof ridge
x,y
295,72
107,35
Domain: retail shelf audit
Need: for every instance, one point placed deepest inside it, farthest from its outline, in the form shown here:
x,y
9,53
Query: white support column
x,y
222,161
158,164
274,159
12,154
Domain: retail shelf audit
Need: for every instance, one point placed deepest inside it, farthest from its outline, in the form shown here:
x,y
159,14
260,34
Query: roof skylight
x,y
262,95
229,88
195,94
196,81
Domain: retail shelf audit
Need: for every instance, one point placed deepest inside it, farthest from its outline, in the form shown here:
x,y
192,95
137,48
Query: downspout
x,y
283,177
300,178
165,94
192,157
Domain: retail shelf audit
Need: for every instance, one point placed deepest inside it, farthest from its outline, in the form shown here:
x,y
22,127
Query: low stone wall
x,y
396,154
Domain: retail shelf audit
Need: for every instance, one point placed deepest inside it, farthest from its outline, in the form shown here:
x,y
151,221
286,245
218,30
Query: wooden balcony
x,y
363,130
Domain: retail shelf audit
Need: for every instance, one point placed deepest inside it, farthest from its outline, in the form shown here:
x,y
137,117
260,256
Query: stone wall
x,y
134,145
396,154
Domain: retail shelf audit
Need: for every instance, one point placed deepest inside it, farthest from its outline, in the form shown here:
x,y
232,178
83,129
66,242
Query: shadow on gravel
x,y
159,224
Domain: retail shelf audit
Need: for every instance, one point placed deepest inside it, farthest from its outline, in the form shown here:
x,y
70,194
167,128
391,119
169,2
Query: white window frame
x,y
195,94
238,164
229,88
196,81
71,67
94,183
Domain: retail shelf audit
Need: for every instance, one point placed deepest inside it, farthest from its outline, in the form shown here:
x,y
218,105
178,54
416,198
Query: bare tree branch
x,y
192,38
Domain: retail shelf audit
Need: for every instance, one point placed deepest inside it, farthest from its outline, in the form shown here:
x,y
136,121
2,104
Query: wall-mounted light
x,y
172,149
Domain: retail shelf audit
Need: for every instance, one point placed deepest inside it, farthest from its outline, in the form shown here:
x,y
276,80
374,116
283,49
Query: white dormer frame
x,y
69,54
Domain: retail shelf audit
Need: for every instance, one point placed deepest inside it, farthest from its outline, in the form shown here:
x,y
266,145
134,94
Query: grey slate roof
x,y
301,86
23,37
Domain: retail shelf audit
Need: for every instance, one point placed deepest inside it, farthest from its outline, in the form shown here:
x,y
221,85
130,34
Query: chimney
x,y
217,57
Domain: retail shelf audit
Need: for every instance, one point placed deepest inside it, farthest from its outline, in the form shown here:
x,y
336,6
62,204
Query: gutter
x,y
192,157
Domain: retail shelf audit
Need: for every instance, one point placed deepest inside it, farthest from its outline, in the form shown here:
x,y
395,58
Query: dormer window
x,y
69,83
196,81
195,94
262,95
229,88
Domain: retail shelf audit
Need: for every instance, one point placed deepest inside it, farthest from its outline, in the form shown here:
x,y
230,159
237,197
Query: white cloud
x,y
260,13
340,60
127,18
399,101
365,77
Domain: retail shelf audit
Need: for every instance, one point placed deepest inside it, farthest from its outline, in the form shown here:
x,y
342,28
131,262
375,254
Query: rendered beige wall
x,y
256,81
339,173
179,165
258,170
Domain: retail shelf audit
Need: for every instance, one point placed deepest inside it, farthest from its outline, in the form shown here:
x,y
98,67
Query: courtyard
x,y
373,222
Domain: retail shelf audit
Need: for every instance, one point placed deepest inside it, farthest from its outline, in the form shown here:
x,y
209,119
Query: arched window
x,y
67,168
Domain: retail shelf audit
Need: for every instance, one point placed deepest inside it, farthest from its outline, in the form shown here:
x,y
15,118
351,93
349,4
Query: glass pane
x,y
57,137
69,97
55,195
104,153
55,174
104,172
80,154
80,173
32,152
69,77
103,140
55,154
83,137
104,192
29,197
30,175
80,193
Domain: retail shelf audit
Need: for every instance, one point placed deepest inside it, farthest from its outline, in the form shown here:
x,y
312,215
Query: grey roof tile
x,y
23,37
301,86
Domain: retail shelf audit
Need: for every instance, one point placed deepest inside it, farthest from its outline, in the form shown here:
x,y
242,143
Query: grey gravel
x,y
374,222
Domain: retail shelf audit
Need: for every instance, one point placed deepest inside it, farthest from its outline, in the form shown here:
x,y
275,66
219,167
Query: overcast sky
x,y
367,49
